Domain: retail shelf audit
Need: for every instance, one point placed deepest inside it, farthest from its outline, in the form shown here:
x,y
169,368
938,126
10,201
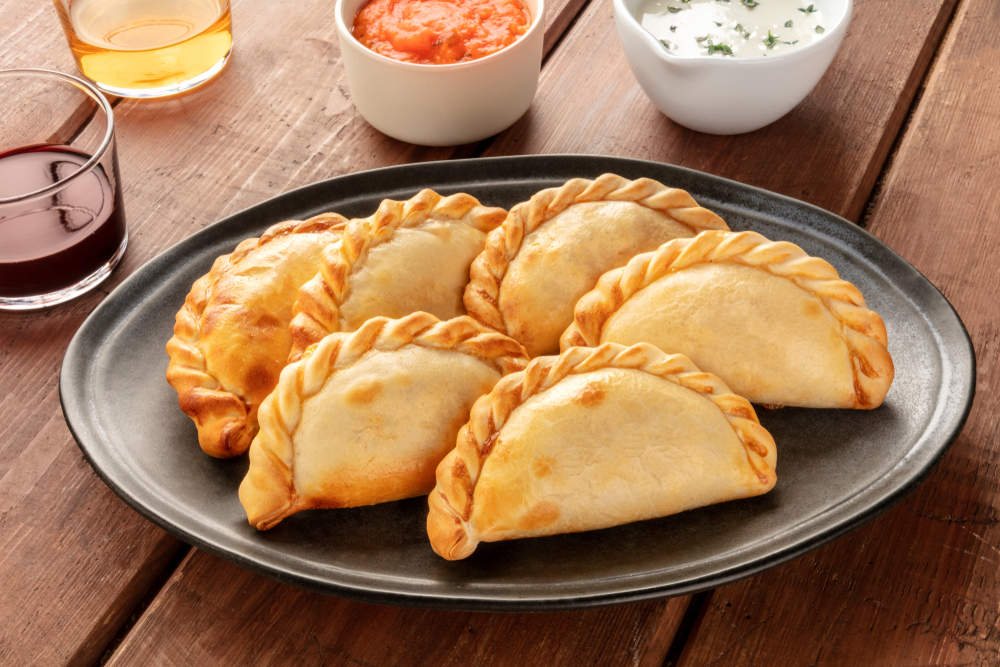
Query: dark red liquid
x,y
54,242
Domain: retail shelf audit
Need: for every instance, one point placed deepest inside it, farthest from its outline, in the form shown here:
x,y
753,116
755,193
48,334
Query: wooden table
x,y
901,136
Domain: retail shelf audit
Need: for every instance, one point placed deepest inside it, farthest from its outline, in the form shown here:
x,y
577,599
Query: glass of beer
x,y
147,48
62,223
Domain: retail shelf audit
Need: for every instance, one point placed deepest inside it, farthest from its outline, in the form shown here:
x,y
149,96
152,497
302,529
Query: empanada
x,y
595,438
552,249
408,256
231,337
365,417
778,326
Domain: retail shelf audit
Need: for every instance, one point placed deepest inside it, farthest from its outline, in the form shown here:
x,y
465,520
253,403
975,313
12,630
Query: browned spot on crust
x,y
493,347
488,298
371,341
761,477
490,441
746,412
364,391
260,379
866,367
864,400
812,309
575,339
754,446
460,474
541,515
590,395
616,293
542,466
267,323
771,406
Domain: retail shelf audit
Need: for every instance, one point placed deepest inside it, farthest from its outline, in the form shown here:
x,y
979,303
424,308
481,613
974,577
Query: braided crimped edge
x,y
482,296
268,491
451,502
317,310
221,415
863,330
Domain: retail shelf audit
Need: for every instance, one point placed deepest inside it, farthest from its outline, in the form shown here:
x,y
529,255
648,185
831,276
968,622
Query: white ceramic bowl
x,y
442,105
720,95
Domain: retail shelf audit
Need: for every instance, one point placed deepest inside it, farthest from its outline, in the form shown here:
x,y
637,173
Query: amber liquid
x,y
135,45
52,243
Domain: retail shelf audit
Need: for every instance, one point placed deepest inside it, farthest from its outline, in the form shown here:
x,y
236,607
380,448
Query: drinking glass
x,y
62,223
147,48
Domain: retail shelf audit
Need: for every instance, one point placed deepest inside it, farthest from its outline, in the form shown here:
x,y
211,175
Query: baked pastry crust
x,y
779,326
633,434
552,249
230,338
365,417
408,256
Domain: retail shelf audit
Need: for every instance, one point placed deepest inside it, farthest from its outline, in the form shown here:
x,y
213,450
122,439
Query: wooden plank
x,y
306,136
920,585
33,37
270,123
827,151
63,554
214,613
74,560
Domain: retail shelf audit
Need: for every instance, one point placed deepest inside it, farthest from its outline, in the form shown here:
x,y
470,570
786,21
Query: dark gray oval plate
x,y
836,468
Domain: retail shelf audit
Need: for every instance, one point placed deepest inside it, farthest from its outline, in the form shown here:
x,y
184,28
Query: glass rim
x,y
101,151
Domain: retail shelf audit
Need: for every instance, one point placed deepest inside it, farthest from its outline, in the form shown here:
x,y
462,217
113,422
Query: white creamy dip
x,y
737,28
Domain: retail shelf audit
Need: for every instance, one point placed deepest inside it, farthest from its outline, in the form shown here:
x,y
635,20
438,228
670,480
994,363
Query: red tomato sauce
x,y
440,32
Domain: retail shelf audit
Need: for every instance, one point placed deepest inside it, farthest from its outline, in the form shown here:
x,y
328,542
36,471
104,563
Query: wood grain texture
x,y
69,548
74,560
920,585
33,37
214,613
827,151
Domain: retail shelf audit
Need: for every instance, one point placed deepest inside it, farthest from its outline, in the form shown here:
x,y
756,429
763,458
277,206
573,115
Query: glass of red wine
x,y
62,224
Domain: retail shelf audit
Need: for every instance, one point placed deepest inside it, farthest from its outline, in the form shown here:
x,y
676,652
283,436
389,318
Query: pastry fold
x,y
408,256
778,326
594,438
365,417
552,249
231,336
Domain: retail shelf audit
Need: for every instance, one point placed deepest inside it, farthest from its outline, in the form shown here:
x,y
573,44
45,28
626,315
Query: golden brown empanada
x,y
594,438
409,256
552,249
365,417
231,336
778,326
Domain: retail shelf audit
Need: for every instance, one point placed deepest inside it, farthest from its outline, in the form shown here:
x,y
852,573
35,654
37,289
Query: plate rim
x,y
73,389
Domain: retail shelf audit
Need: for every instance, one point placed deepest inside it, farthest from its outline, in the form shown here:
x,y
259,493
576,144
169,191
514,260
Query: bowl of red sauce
x,y
441,72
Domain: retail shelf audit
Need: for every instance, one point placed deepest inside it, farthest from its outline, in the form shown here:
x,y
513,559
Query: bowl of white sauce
x,y
729,66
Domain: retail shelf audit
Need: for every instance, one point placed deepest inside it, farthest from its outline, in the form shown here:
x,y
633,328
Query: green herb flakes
x,y
721,48
820,29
